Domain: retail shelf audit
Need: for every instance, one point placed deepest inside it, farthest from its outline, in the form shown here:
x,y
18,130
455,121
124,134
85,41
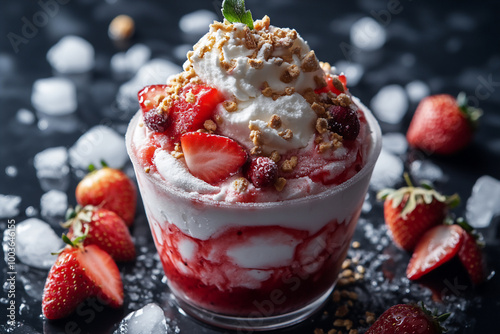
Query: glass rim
x,y
374,152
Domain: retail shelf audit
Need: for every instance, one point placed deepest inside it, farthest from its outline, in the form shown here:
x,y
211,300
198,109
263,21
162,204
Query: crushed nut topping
x,y
318,109
256,137
275,156
290,164
250,42
210,125
337,83
321,82
280,183
240,185
321,125
343,100
230,106
256,150
286,134
289,90
256,63
190,97
177,155
310,62
274,122
291,73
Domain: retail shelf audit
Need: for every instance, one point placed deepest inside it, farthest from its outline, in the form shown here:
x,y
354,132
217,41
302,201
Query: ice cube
x,y
395,142
54,96
11,171
52,168
9,206
148,320
197,21
417,90
132,60
155,71
482,205
54,204
426,170
390,104
352,71
388,171
25,116
72,54
97,144
35,241
367,34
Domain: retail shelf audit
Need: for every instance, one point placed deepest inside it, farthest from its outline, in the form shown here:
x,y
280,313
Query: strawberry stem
x,y
472,114
407,178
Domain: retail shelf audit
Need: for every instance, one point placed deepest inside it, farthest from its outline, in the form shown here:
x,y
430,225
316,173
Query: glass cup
x,y
253,266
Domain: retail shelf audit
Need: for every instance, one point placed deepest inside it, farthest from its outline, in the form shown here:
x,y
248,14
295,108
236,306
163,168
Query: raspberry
x,y
155,121
343,121
262,172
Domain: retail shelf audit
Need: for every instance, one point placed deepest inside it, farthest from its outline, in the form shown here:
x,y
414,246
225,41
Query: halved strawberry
x,y
210,157
189,116
103,228
437,246
81,272
470,254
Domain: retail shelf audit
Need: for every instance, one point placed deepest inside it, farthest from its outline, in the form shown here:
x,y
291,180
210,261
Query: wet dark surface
x,y
452,46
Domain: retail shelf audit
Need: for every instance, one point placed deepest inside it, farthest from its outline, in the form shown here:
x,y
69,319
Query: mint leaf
x,y
234,11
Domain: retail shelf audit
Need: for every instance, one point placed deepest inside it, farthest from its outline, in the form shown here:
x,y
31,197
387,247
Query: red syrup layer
x,y
211,279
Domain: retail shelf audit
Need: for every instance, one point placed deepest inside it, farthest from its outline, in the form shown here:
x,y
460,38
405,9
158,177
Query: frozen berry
x,y
343,121
262,172
155,121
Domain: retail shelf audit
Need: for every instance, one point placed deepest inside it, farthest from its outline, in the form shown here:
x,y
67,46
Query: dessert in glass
x,y
253,165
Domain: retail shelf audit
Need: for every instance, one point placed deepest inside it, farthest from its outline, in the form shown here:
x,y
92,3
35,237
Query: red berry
x,y
411,211
111,189
81,272
344,121
153,118
262,172
407,319
105,229
212,158
155,121
442,124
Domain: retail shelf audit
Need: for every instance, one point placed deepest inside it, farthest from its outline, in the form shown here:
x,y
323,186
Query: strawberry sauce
x,y
209,273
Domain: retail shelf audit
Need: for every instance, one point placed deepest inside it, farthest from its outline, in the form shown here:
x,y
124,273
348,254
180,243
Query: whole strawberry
x,y
442,124
441,244
410,211
408,319
81,272
111,189
103,228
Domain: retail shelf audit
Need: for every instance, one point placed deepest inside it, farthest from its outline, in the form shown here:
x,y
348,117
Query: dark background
x,y
454,46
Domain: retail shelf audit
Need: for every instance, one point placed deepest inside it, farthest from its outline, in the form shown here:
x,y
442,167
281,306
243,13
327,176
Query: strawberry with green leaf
x,y
104,228
410,211
442,124
408,319
80,272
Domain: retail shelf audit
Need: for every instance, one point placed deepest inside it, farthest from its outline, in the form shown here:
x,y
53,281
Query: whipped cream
x,y
240,63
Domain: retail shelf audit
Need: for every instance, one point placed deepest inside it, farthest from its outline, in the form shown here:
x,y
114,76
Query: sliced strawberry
x,y
189,116
471,256
102,270
437,246
148,96
210,157
81,272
